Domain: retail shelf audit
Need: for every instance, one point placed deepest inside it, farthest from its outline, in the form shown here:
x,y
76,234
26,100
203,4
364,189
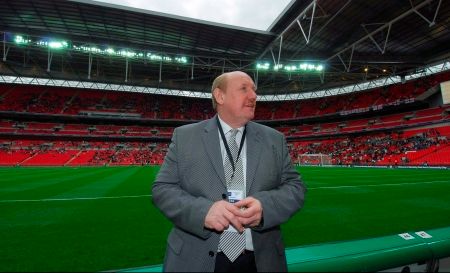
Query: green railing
x,y
368,255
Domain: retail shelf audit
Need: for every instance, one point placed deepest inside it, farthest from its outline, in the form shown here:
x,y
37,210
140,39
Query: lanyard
x,y
225,143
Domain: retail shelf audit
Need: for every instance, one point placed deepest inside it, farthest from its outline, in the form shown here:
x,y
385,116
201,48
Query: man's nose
x,y
252,94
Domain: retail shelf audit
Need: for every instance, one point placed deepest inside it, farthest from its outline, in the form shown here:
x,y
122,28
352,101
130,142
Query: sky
x,y
254,14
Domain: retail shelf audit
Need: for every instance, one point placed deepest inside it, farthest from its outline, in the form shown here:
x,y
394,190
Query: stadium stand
x,y
414,135
395,148
79,153
71,101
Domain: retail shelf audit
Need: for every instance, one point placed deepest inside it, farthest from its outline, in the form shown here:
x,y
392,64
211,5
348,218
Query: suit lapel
x,y
253,153
210,138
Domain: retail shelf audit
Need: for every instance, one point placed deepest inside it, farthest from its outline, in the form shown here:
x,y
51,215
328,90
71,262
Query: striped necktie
x,y
231,242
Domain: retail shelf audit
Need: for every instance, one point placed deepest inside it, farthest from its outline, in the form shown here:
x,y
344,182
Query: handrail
x,y
367,255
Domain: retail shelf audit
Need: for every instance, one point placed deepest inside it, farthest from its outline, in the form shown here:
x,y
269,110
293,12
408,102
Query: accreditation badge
x,y
233,197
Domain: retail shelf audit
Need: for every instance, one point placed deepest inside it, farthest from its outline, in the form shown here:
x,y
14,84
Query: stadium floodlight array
x,y
55,44
50,43
302,67
110,51
106,50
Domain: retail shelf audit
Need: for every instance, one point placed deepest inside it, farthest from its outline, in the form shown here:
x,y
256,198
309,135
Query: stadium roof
x,y
254,14
312,45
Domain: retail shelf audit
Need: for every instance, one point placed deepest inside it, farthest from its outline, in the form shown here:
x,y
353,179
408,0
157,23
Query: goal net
x,y
314,159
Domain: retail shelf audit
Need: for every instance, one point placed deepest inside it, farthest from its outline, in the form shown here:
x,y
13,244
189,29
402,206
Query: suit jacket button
x,y
211,254
224,196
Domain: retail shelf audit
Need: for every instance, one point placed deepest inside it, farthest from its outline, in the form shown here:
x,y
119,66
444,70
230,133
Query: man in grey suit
x,y
219,224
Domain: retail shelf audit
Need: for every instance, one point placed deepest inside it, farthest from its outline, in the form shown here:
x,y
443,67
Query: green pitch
x,y
102,218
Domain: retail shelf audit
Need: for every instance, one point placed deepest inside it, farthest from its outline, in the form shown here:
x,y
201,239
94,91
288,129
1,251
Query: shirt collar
x,y
226,128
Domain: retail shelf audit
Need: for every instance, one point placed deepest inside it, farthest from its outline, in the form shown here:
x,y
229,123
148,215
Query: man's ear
x,y
218,95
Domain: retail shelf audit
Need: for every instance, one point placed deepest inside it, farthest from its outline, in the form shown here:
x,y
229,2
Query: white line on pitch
x,y
149,195
74,199
382,185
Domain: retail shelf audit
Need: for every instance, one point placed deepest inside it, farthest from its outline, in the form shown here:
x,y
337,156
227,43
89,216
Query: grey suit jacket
x,y
192,178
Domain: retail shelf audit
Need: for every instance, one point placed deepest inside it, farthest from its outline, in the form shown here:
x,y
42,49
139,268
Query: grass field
x,y
102,218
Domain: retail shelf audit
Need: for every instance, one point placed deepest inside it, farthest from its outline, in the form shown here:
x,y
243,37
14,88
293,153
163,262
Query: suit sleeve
x,y
281,202
184,210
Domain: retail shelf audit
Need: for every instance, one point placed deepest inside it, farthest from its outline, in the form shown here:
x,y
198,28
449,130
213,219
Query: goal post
x,y
314,159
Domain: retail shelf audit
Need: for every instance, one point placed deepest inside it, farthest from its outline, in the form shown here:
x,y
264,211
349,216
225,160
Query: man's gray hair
x,y
221,83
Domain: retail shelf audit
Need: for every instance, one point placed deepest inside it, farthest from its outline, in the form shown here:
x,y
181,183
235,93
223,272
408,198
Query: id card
x,y
233,197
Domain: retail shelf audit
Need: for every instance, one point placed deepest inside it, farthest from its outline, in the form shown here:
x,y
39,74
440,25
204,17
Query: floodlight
x,y
126,53
290,67
154,57
18,39
182,59
264,66
278,66
94,49
57,44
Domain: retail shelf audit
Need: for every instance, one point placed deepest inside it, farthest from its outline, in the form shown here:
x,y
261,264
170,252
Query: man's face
x,y
239,98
